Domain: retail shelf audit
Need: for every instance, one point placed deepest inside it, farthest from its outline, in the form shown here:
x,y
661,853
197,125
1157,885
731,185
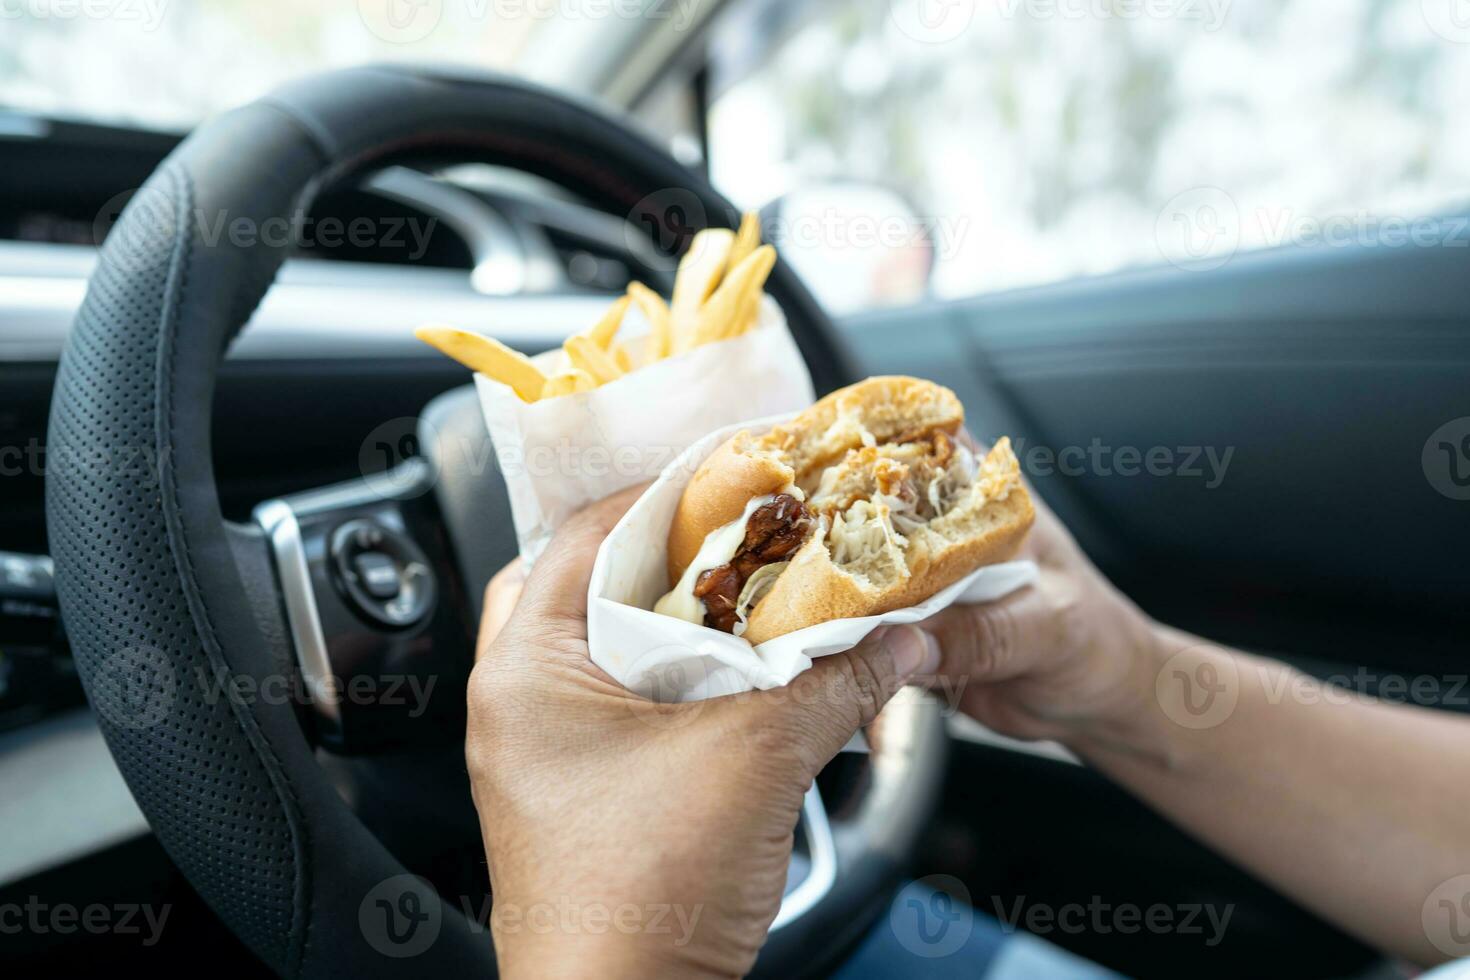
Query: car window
x,y
1038,140
122,60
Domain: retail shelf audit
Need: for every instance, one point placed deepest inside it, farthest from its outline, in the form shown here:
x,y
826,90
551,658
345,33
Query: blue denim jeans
x,y
930,935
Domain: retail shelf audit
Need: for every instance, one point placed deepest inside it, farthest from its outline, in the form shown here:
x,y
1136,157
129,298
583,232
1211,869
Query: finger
x,y
555,595
501,596
998,640
822,708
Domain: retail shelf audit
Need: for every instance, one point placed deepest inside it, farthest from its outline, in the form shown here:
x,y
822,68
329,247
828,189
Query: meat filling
x,y
904,477
773,533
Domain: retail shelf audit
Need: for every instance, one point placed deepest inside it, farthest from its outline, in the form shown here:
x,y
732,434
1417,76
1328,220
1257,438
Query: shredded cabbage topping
x,y
910,495
902,512
760,582
862,532
953,480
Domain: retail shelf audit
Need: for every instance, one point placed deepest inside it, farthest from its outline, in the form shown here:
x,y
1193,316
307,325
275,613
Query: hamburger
x,y
868,501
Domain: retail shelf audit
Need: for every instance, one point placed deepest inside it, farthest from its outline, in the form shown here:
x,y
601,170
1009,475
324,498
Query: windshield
x,y
167,63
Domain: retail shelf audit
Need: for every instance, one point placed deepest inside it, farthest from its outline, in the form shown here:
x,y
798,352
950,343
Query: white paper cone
x,y
559,455
668,659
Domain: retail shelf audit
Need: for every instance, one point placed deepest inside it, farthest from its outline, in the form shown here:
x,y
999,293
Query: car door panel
x,y
1287,399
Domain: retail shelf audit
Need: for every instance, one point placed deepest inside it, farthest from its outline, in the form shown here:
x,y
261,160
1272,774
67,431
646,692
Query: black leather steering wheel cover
x,y
154,600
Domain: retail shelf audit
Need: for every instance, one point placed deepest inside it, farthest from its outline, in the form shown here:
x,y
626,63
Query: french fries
x,y
660,321
604,330
568,383
487,356
726,312
717,294
700,272
747,239
622,357
587,356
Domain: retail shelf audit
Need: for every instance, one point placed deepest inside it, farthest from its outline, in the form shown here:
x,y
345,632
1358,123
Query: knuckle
x,y
867,689
992,638
774,743
480,740
480,755
783,737
478,692
850,695
1070,623
497,695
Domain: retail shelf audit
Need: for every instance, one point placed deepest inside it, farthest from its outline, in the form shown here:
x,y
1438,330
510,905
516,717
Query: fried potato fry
x,y
747,312
567,383
747,239
603,331
587,356
622,357
700,272
721,316
488,356
717,294
656,312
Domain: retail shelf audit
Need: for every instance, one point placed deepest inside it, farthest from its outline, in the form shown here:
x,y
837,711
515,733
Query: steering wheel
x,y
187,628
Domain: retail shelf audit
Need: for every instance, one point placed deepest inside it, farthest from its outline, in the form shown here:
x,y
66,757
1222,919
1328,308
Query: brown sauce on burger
x,y
773,533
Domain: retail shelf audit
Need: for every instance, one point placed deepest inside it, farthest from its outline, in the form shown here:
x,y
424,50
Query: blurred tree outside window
x,y
1040,140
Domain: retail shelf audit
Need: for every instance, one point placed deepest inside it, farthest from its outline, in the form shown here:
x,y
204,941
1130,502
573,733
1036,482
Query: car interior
x,y
1209,277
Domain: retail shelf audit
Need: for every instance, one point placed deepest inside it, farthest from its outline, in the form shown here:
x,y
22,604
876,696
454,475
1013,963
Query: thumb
x,y
822,708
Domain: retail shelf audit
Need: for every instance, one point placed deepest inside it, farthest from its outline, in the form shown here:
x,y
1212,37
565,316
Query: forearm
x,y
1359,810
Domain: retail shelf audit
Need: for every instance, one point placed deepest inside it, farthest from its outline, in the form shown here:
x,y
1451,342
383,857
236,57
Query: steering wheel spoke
x,y
382,661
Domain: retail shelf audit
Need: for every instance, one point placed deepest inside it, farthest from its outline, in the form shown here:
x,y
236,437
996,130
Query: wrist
x,y
597,936
1135,723
559,954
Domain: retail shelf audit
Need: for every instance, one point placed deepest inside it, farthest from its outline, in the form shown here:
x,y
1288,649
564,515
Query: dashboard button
x,y
378,574
381,573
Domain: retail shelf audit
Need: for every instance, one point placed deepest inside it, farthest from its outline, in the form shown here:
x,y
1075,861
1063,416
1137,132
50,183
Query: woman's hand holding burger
x,y
1070,659
654,839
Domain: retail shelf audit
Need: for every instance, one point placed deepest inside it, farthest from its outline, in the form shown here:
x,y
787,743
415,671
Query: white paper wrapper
x,y
559,455
667,659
